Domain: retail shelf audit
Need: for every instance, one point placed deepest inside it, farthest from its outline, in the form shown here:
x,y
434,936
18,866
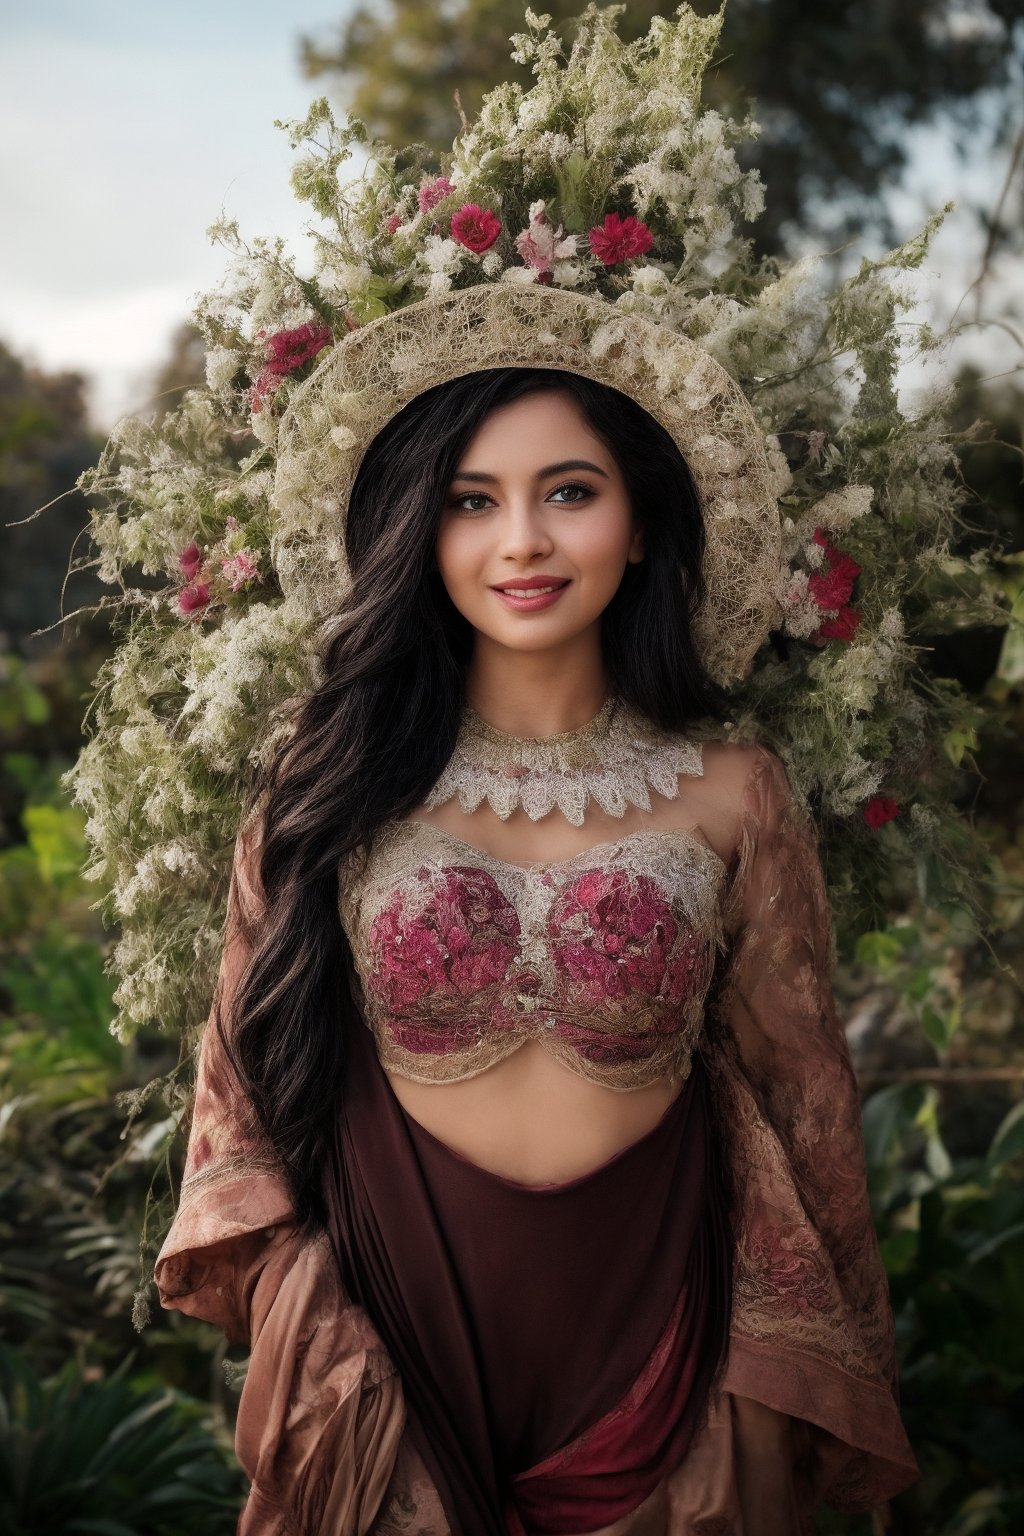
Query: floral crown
x,y
593,222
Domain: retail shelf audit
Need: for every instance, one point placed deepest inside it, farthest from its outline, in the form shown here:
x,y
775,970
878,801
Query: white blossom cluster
x,y
202,681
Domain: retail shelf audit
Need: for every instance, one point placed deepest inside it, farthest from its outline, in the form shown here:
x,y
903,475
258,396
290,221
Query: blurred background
x,y
127,130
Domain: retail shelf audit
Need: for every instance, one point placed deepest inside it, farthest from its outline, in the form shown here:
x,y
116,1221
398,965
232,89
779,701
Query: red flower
x,y
475,227
194,597
832,587
617,239
612,932
433,192
843,627
880,809
395,222
190,560
286,351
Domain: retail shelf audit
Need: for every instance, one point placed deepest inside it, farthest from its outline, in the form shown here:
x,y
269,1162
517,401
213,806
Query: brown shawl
x,y
322,1421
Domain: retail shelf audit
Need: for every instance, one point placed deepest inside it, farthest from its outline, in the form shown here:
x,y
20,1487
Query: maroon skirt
x,y
556,1345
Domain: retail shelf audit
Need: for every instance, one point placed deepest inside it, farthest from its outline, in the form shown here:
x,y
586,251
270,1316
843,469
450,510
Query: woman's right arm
x,y
321,1414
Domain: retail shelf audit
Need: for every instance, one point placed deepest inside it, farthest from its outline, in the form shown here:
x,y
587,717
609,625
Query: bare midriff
x,y
531,1119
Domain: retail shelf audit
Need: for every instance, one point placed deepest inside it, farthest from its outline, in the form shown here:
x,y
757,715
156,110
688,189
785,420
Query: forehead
x,y
544,422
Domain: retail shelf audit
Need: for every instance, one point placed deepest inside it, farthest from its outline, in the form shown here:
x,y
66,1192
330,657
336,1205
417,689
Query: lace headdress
x,y
592,223
374,371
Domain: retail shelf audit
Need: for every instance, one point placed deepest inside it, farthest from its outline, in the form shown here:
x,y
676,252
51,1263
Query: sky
x,y
128,128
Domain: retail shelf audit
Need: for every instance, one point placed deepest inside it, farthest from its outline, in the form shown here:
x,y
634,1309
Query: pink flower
x,y
792,1271
475,227
541,245
880,809
190,560
460,943
240,568
194,597
287,351
433,192
612,931
617,239
395,222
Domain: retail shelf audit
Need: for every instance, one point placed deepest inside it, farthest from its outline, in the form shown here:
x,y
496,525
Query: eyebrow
x,y
550,469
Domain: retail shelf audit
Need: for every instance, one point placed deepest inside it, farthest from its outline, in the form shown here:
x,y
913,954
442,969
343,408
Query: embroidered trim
x,y
615,759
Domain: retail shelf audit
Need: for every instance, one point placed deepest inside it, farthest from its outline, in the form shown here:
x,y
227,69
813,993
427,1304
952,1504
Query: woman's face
x,y
537,502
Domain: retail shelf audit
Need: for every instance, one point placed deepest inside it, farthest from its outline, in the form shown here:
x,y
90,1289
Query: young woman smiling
x,y
526,1152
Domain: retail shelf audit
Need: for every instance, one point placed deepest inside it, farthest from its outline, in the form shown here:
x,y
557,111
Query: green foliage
x,y
84,1456
952,1236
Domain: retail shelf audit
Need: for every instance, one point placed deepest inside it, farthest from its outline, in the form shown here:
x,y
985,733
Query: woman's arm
x,y
812,1329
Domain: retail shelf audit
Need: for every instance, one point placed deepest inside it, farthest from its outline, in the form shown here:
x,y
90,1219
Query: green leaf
x,y
1008,1141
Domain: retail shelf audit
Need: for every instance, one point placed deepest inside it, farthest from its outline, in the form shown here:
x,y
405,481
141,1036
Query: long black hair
x,y
376,733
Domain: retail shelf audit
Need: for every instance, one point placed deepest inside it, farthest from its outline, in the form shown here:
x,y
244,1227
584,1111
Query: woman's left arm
x,y
812,1329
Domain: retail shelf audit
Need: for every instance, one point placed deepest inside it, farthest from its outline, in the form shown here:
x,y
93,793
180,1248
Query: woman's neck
x,y
536,693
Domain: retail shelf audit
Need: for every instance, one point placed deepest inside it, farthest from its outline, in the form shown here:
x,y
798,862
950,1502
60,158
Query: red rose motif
x,y
617,239
797,1280
460,942
287,351
880,809
612,931
433,192
475,227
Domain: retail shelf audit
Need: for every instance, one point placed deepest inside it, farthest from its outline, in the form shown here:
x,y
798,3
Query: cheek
x,y
459,555
600,548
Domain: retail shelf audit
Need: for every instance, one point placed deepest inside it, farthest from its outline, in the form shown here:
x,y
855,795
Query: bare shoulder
x,y
730,769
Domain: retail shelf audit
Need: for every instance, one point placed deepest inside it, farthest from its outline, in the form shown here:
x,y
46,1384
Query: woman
x,y
535,1182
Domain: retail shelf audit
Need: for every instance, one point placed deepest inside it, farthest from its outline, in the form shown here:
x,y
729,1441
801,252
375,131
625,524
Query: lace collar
x,y
616,759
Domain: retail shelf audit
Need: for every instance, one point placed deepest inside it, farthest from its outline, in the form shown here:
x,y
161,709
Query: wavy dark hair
x,y
376,733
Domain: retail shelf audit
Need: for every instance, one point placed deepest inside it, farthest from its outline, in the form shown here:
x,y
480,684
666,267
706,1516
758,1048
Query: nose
x,y
524,532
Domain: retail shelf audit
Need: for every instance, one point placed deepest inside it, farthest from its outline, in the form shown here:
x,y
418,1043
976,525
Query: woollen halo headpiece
x,y
375,370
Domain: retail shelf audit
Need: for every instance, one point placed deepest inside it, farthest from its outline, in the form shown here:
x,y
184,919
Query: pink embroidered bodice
x,y
605,957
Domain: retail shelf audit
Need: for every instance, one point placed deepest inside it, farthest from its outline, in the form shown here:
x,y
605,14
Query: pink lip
x,y
532,604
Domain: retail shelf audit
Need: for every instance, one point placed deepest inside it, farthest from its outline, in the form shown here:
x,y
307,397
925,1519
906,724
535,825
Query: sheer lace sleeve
x,y
812,1330
321,1414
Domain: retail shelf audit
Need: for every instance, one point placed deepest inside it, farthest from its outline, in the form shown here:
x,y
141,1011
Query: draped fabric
x,y
522,1317
805,1411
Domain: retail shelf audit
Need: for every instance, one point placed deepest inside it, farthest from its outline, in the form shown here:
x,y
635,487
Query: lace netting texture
x,y
376,370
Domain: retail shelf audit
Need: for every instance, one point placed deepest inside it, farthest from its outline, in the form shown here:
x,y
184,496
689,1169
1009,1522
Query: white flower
x,y
440,254
650,279
520,277
492,263
782,476
838,509
343,437
567,274
222,364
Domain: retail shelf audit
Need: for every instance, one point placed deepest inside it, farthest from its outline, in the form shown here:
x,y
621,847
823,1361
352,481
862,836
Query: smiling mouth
x,y
532,591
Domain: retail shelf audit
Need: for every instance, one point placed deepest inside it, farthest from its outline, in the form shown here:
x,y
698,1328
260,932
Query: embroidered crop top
x,y
605,957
